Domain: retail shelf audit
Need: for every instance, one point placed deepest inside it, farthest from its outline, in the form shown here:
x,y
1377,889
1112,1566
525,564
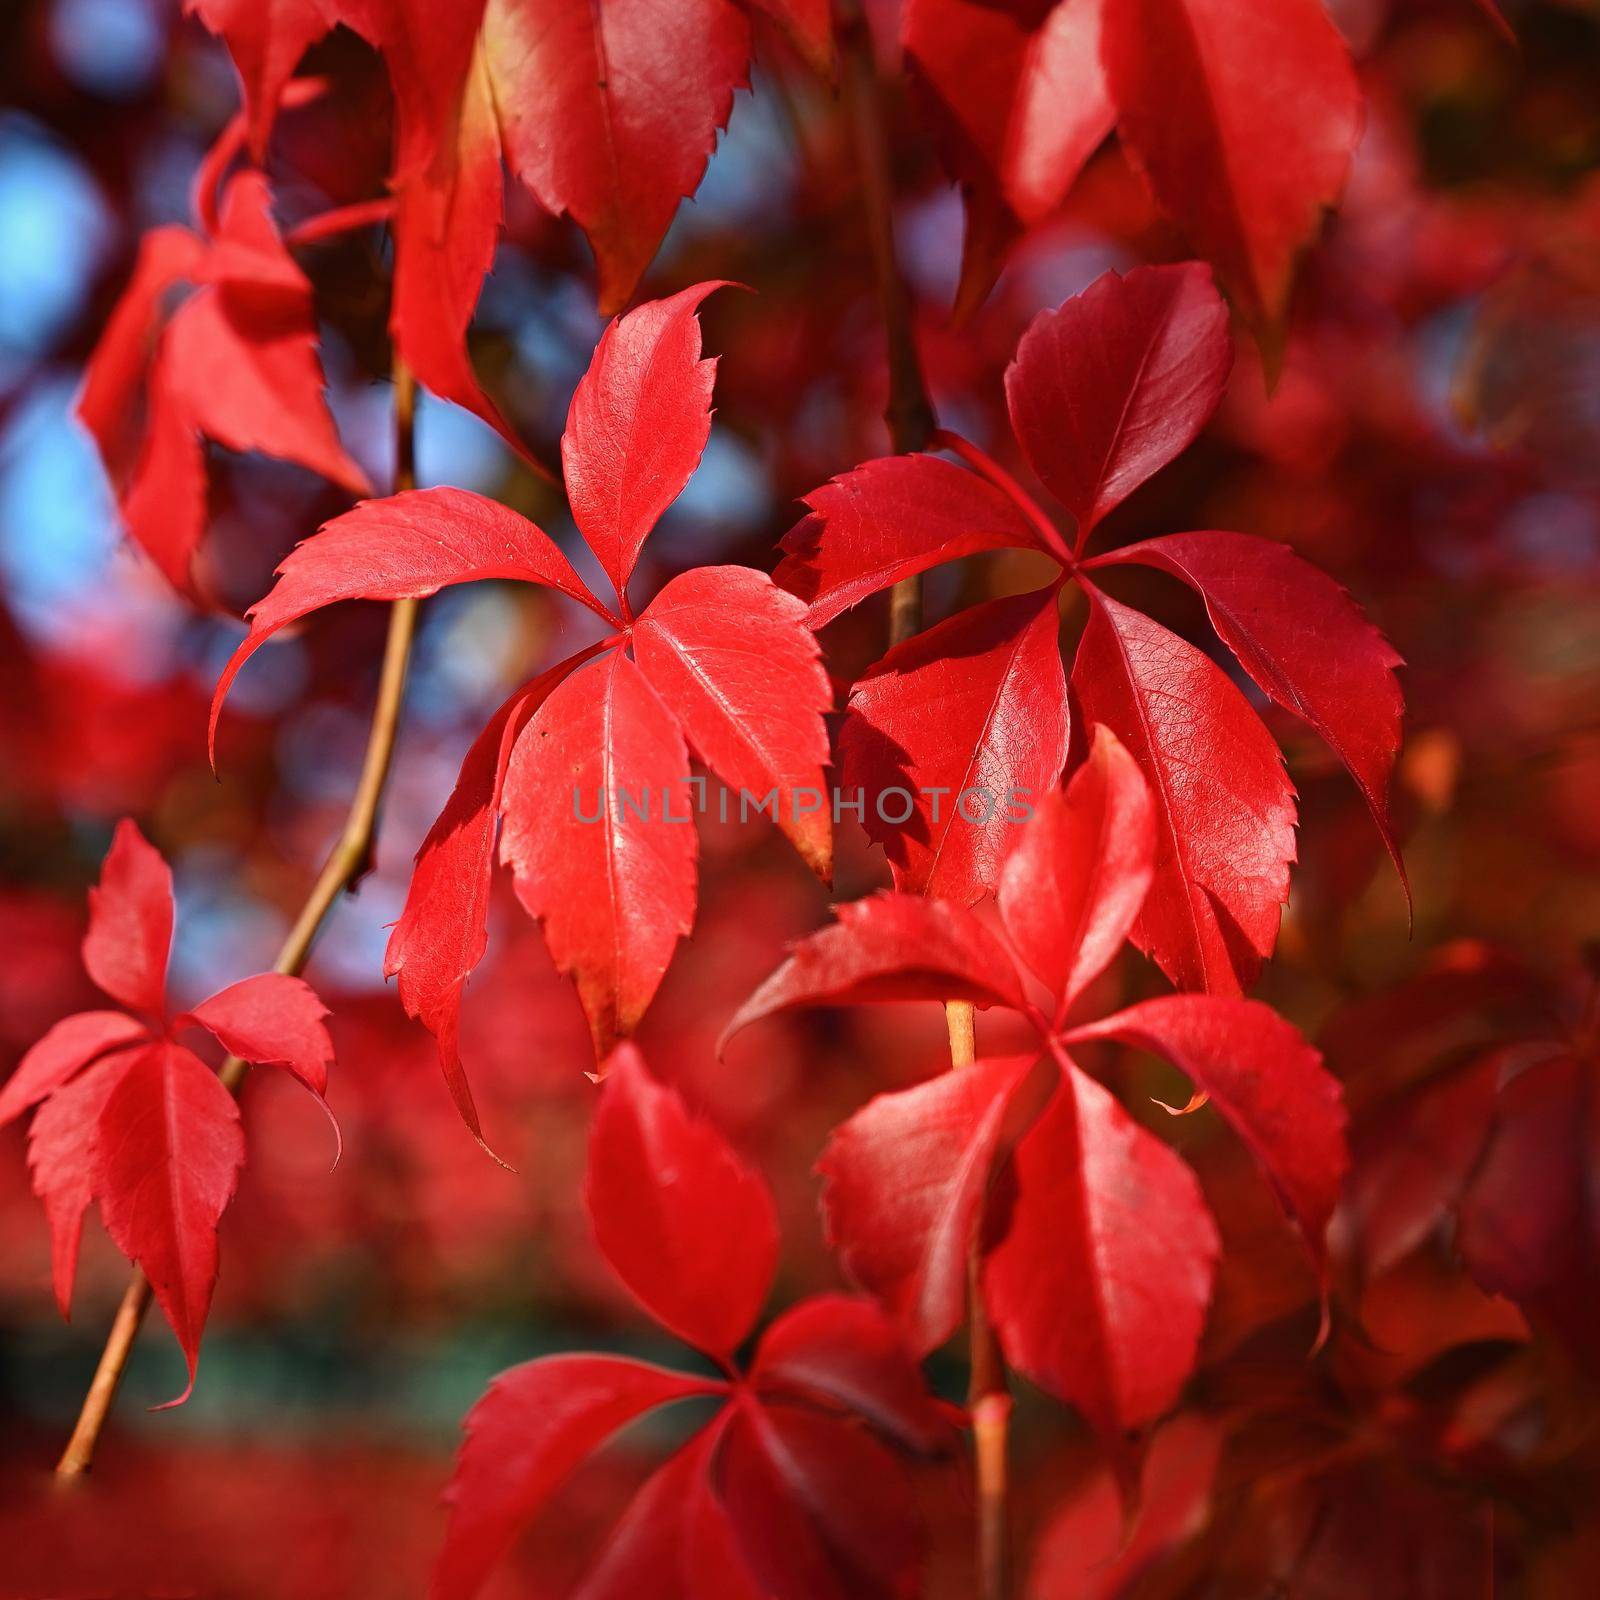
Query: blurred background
x,y
1434,442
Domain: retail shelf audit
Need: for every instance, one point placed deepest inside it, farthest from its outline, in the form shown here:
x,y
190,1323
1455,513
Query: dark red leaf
x,y
1116,382
843,1352
685,1224
1244,121
1304,641
531,1429
957,731
1224,807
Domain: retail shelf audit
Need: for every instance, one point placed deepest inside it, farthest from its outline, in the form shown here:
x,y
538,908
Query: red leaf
x,y
1098,1289
684,1223
167,1154
266,39
890,947
71,1045
406,546
974,710
819,1509
1074,882
531,1429
444,929
733,657
446,224
62,1162
1016,92
273,1019
1244,121
614,889
841,1351
130,923
638,425
163,502
891,519
609,111
1268,1083
1116,382
1530,1220
1224,806
905,1181
1302,639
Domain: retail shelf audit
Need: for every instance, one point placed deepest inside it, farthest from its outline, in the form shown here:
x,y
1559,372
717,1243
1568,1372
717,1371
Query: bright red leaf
x,y
130,1118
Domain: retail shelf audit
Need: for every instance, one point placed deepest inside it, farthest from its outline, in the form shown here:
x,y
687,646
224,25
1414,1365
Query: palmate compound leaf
x,y
1104,392
784,1492
1006,1154
588,773
129,1117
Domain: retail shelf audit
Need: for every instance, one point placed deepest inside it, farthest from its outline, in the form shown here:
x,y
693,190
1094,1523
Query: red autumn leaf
x,y
444,929
686,1226
890,947
167,1152
819,1509
236,363
588,774
973,1161
1015,91
1244,120
525,1437
906,1178
1529,1223
1116,382
128,1117
1104,391
959,727
1225,808
600,838
842,1351
731,654
1268,1083
637,427
1099,1286
691,1232
891,519
808,25
1302,639
1073,885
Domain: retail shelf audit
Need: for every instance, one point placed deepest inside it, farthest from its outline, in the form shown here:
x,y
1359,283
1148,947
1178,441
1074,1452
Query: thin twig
x,y
346,862
909,412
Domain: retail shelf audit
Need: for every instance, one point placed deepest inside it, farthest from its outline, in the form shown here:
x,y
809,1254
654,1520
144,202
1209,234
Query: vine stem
x,y
346,862
912,426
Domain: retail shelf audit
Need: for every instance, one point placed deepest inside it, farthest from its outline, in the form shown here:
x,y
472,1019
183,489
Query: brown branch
x,y
909,412
346,862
